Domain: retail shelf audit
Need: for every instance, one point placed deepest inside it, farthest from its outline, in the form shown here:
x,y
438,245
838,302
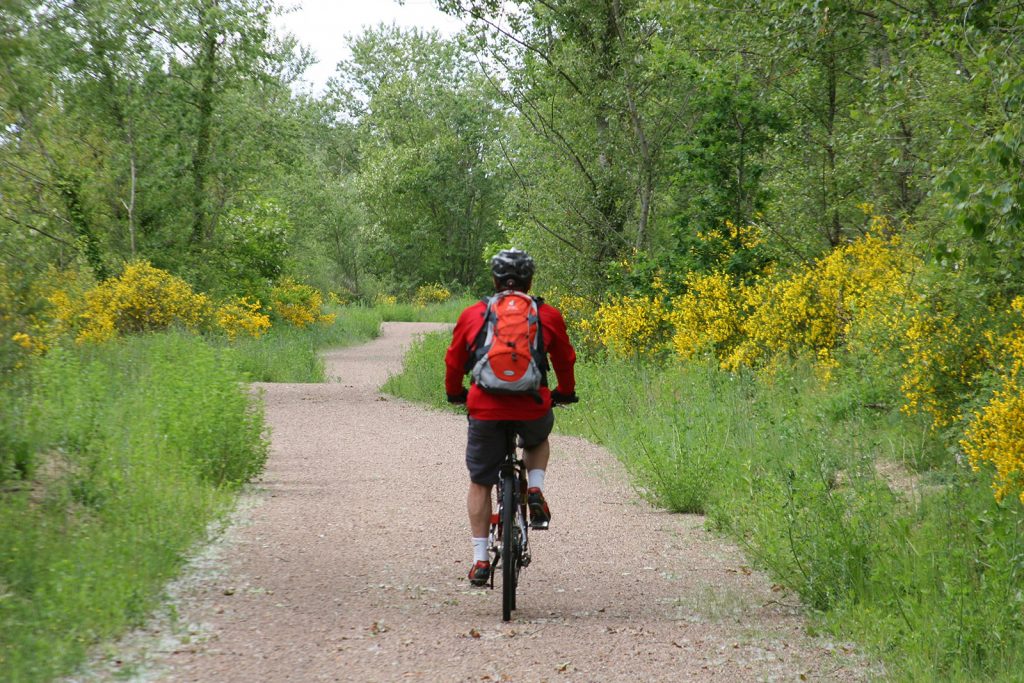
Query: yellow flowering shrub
x,y
631,325
431,294
816,309
385,300
141,299
857,292
576,310
726,241
299,304
242,316
940,361
339,298
709,315
995,434
36,312
34,345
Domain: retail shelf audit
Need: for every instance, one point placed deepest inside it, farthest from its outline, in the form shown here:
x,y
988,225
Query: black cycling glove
x,y
458,398
561,399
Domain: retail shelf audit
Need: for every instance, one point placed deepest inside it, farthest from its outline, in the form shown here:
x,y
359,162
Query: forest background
x,y
800,221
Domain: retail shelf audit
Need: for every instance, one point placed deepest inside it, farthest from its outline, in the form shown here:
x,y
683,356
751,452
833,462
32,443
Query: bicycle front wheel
x,y
510,556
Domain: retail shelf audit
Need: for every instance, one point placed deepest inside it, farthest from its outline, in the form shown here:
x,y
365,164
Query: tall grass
x,y
135,446
422,377
290,354
857,508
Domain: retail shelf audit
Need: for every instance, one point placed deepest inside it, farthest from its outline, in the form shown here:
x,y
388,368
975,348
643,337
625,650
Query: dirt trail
x,y
350,565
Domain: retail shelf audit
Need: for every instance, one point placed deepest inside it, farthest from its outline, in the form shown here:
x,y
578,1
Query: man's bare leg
x,y
537,457
478,503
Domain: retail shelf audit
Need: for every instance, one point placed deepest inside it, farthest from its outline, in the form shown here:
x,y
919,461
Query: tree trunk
x,y
207,65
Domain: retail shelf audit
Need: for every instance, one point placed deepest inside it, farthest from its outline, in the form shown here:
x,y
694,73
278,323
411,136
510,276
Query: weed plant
x,y
134,446
837,495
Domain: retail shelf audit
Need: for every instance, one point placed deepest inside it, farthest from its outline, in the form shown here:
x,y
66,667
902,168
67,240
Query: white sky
x,y
324,24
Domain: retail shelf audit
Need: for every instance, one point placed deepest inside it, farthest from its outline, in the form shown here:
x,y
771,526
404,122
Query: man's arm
x,y
560,351
458,352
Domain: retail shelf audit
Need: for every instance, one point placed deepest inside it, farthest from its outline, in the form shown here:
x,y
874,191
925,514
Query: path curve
x,y
351,564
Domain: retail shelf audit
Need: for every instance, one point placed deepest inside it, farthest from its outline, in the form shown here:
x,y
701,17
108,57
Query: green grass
x,y
422,377
447,312
932,582
136,446
288,354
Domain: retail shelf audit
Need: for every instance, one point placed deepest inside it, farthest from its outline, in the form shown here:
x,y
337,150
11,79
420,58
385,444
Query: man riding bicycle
x,y
529,413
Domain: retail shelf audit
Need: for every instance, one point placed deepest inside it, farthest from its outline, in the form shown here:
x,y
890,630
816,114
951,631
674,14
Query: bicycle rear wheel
x,y
510,551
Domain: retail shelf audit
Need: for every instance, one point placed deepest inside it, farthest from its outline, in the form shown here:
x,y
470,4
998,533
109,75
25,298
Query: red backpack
x,y
508,354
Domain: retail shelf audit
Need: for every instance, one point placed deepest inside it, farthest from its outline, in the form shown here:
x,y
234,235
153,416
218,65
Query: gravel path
x,y
349,565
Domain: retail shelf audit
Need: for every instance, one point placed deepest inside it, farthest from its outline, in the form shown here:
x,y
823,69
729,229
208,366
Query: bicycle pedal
x,y
540,526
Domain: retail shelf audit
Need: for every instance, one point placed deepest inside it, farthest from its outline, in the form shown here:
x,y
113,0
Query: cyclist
x,y
531,415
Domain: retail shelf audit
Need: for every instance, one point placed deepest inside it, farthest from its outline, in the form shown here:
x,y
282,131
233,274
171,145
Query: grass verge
x,y
859,509
137,445
116,458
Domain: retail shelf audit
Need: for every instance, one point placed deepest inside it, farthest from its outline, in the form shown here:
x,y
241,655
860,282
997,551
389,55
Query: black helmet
x,y
512,268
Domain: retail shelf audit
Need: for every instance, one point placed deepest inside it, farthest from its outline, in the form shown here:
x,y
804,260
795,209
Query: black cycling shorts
x,y
485,445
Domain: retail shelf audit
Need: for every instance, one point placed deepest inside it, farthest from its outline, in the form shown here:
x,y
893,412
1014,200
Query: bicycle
x,y
508,538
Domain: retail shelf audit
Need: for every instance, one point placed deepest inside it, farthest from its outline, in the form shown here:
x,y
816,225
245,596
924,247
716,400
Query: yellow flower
x,y
141,299
242,316
298,304
431,294
995,434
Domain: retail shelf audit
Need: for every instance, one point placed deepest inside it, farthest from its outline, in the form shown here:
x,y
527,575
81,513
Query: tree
x,y
428,177
589,146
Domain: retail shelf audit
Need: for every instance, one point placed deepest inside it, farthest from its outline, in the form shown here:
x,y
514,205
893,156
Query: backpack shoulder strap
x,y
476,345
542,353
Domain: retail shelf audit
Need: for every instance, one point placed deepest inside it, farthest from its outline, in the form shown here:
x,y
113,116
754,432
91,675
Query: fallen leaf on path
x,y
473,633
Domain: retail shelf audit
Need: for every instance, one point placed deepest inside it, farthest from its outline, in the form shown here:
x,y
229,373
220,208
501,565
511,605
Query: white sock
x,y
480,550
535,478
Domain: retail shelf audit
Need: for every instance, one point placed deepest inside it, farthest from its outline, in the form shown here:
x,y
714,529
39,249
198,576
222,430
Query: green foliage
x,y
254,246
721,162
134,446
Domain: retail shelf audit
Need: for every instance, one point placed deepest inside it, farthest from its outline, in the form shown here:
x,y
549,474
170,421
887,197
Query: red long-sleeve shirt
x,y
485,406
